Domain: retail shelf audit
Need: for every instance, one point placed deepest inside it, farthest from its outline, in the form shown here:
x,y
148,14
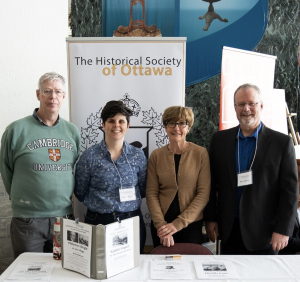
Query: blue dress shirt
x,y
246,147
97,178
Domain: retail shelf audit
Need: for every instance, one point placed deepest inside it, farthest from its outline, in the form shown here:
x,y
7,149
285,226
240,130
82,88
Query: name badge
x,y
245,178
127,194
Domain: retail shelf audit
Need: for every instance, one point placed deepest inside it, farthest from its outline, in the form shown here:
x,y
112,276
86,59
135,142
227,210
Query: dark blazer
x,y
266,206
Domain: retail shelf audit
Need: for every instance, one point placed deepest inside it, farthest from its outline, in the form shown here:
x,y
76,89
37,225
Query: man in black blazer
x,y
254,193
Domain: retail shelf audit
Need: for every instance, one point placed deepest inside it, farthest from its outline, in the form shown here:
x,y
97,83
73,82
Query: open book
x,y
100,251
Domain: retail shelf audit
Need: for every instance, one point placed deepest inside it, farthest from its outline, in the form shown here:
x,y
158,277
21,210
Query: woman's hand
x,y
167,241
166,230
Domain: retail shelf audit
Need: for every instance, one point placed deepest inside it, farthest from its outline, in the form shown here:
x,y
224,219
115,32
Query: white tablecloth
x,y
248,268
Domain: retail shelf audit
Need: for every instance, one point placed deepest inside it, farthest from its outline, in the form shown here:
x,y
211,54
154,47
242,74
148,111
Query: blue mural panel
x,y
208,25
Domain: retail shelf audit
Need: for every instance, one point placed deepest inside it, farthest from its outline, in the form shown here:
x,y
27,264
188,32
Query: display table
x,y
248,268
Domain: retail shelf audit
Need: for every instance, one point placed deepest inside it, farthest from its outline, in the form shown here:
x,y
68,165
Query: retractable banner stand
x,y
239,67
147,74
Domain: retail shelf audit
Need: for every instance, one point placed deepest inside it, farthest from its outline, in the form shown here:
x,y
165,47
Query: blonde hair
x,y
176,113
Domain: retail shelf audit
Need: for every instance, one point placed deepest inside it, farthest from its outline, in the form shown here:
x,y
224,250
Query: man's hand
x,y
212,230
279,241
166,230
167,241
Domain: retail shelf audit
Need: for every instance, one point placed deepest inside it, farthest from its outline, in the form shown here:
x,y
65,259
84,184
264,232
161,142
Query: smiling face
x,y
51,103
115,127
249,117
177,134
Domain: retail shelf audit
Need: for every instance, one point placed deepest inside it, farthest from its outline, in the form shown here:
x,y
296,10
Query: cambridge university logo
x,y
54,154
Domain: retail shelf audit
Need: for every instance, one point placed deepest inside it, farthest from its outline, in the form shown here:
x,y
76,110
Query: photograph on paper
x,y
120,239
83,239
214,267
72,236
76,247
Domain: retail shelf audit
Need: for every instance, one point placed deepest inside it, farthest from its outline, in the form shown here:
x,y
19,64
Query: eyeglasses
x,y
48,92
181,124
250,105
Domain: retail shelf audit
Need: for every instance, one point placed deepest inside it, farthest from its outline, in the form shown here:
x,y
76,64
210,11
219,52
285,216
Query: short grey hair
x,y
246,86
50,76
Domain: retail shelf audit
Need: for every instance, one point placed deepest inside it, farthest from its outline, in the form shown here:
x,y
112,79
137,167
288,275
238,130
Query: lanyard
x,y
118,170
239,149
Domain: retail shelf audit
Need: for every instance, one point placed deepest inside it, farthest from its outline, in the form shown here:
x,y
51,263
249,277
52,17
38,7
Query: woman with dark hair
x,y
178,183
110,177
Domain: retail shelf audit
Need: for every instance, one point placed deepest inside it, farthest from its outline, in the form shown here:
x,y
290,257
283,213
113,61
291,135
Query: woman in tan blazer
x,y
178,183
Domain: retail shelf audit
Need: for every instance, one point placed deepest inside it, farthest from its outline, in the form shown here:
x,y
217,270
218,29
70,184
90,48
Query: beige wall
x,y
32,42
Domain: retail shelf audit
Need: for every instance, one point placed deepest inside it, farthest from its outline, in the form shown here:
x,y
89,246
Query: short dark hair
x,y
115,107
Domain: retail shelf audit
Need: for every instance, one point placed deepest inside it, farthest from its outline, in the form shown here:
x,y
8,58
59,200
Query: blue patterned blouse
x,y
97,178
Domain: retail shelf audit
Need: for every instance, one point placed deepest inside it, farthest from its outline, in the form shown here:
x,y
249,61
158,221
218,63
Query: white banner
x,y
147,74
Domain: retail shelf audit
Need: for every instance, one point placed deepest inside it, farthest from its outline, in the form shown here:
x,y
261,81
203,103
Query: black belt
x,y
116,214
